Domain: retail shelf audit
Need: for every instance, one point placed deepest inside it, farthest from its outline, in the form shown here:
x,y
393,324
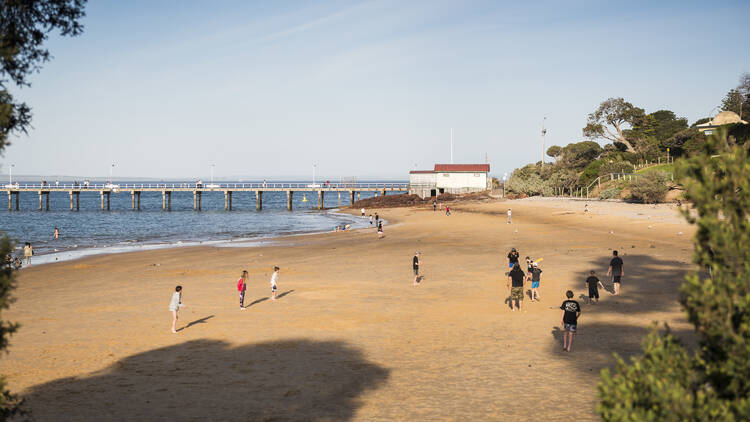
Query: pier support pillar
x,y
163,200
200,200
351,200
40,200
78,201
108,196
138,200
195,201
258,200
289,196
228,200
384,192
169,201
132,200
10,200
71,200
46,206
101,199
321,199
17,200
339,199
359,196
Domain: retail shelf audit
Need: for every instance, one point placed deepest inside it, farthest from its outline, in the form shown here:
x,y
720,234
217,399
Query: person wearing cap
x,y
415,265
536,278
512,258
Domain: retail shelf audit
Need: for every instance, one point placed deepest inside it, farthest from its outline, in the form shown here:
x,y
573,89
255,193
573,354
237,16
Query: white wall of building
x,y
422,178
454,180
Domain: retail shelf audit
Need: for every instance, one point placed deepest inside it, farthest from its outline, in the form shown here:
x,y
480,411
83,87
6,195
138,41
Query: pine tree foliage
x,y
669,383
9,404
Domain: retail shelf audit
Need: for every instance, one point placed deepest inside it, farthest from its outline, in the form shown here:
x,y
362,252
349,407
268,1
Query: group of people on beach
x,y
176,304
570,307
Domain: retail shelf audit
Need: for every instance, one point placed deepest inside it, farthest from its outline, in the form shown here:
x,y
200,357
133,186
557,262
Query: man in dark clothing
x,y
415,265
593,284
513,258
571,311
617,271
434,205
516,278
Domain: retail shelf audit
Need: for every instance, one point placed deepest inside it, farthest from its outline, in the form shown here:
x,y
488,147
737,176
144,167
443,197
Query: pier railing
x,y
204,186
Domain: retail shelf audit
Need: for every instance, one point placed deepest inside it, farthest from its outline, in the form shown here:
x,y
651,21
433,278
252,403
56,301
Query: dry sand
x,y
350,338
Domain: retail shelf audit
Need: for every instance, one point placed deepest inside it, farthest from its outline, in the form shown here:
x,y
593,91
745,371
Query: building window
x,y
477,174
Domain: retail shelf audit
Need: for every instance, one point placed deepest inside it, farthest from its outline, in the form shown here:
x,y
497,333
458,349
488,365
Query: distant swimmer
x,y
274,282
174,306
617,271
57,233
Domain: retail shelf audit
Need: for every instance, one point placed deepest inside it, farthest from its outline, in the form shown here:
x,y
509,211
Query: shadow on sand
x,y
211,380
197,321
284,294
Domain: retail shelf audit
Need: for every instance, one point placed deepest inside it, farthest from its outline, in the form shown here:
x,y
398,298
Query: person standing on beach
x,y
510,216
617,271
593,285
536,279
363,212
377,220
380,230
513,258
56,233
448,211
174,305
371,220
571,311
529,268
415,265
274,282
28,252
515,286
241,287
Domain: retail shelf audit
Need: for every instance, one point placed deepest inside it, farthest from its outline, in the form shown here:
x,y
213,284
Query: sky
x,y
365,89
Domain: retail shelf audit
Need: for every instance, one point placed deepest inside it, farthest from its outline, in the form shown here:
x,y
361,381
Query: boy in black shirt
x,y
571,312
512,258
615,268
593,284
515,285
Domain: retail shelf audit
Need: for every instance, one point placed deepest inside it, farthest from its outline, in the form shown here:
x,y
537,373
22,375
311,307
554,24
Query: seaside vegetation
x,y
638,144
24,27
669,382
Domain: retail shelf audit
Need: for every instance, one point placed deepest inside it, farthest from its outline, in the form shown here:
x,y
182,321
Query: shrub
x,y
528,184
615,167
611,192
651,187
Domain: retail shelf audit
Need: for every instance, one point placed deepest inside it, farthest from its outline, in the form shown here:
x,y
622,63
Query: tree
x,y
733,102
610,119
24,26
554,151
579,154
712,383
650,188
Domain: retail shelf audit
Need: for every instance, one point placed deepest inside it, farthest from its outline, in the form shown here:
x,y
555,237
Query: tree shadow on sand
x,y
211,380
650,285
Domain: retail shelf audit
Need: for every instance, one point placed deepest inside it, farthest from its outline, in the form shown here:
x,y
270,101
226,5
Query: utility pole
x,y
451,145
544,132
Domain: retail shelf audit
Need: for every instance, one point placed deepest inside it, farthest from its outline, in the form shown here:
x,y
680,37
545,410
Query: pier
x,y
167,189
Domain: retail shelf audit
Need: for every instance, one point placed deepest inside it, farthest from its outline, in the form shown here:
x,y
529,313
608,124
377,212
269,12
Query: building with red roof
x,y
450,178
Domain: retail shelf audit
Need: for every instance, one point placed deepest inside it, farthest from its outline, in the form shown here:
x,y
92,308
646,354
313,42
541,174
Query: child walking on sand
x,y
380,230
241,287
28,251
274,282
571,311
593,285
174,305
536,278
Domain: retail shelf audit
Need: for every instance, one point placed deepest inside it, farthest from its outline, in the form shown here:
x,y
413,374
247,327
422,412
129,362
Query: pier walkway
x,y
166,190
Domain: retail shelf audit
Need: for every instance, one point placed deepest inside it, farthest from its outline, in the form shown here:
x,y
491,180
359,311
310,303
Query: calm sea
x,y
92,231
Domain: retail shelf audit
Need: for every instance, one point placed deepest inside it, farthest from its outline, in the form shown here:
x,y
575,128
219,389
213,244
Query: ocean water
x,y
93,231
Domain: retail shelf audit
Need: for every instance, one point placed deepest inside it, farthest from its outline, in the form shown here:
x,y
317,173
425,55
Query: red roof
x,y
473,168
421,171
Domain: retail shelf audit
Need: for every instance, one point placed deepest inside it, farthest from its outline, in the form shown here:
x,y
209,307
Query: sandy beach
x,y
350,338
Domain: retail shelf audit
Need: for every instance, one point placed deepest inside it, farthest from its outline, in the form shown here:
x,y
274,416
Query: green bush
x,y
668,383
615,167
612,192
650,188
528,184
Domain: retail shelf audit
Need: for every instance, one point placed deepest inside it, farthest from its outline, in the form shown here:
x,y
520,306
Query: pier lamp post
x,y
111,169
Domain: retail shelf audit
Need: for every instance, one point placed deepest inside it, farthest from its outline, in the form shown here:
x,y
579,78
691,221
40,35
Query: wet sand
x,y
350,338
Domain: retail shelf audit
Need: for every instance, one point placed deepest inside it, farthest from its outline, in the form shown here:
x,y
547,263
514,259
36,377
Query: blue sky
x,y
366,89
